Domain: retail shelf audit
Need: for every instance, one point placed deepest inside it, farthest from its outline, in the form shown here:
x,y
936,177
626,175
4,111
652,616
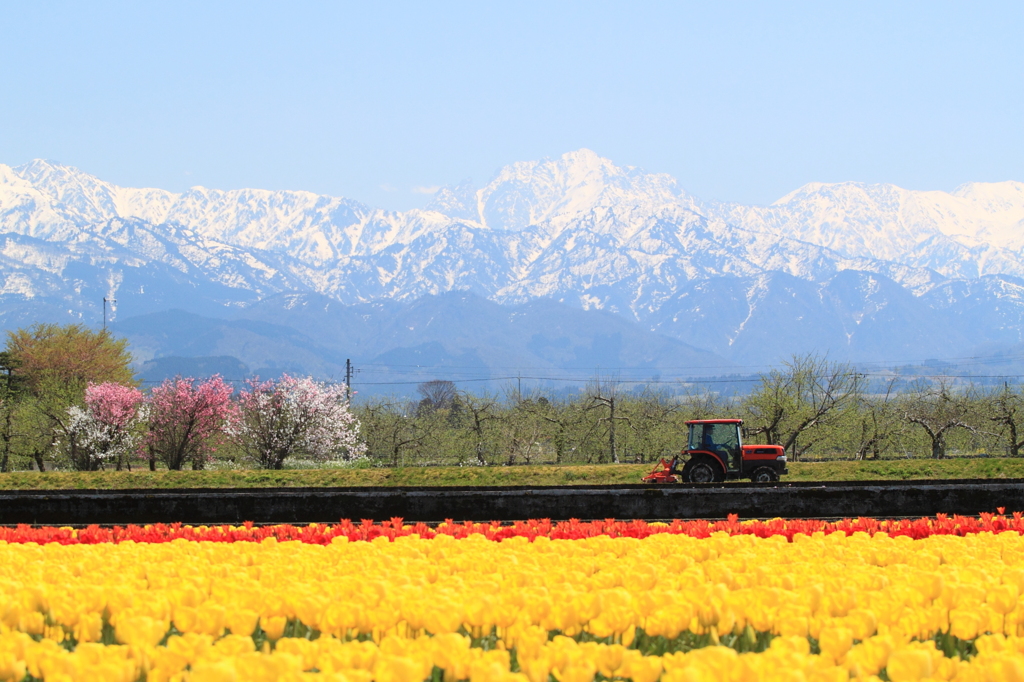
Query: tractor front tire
x,y
764,475
702,470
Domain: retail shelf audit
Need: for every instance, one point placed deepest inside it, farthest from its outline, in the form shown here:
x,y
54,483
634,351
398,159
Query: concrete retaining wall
x,y
305,505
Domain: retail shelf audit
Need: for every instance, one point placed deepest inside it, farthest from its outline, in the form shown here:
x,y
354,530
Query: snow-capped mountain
x,y
866,272
977,229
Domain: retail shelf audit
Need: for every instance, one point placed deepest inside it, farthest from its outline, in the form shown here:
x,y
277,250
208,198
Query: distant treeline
x,y
814,407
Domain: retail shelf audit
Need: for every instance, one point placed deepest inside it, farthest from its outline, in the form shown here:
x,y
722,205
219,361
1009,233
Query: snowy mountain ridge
x,y
832,261
977,229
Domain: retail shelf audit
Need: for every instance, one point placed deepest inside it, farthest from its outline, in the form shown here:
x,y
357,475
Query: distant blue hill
x,y
229,368
456,336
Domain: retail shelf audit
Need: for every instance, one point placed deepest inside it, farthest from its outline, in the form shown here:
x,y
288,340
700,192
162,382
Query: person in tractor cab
x,y
721,439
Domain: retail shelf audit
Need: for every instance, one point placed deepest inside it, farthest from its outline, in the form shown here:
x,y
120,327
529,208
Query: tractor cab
x,y
720,437
715,452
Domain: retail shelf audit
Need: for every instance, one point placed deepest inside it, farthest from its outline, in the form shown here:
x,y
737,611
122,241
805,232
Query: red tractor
x,y
716,453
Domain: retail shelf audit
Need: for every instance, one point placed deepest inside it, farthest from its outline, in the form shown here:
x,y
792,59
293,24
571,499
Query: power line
x,y
641,380
694,380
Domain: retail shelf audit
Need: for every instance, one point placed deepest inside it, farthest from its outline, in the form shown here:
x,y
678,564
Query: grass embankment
x,y
904,469
295,478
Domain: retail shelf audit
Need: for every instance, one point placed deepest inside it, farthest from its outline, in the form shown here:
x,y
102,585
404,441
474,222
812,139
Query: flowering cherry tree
x,y
289,416
107,428
184,417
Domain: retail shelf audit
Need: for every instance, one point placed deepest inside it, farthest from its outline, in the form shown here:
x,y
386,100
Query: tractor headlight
x,y
780,458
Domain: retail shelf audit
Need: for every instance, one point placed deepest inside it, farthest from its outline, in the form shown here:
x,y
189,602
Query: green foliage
x,y
69,357
10,391
815,408
800,404
45,369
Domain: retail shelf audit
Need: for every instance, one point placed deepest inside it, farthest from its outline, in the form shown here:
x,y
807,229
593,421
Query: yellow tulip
x,y
11,667
906,665
578,671
303,649
221,671
964,623
793,626
442,620
190,646
186,618
1007,669
165,663
89,627
536,669
491,665
141,630
32,622
241,621
209,619
716,660
791,643
232,645
870,656
1003,598
398,669
642,668
609,659
273,626
686,675
261,668
834,642
862,623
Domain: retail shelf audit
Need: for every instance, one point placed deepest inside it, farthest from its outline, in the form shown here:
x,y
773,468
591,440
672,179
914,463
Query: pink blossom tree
x,y
287,417
185,417
107,428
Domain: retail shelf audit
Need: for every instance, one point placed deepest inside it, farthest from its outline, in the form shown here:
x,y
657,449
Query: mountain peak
x,y
834,189
46,171
1006,195
458,201
83,199
578,182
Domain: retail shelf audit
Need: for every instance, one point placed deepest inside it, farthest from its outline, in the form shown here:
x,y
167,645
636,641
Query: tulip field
x,y
864,599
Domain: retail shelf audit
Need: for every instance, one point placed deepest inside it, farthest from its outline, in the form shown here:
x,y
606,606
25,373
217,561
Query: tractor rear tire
x,y
703,470
764,475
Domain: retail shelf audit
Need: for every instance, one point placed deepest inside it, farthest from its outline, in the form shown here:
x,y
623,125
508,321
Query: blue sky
x,y
739,101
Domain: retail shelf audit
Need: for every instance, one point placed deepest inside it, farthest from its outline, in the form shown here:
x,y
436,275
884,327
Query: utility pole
x,y
105,299
348,380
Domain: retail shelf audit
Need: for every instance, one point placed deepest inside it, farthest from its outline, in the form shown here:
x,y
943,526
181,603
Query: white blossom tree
x,y
282,418
107,428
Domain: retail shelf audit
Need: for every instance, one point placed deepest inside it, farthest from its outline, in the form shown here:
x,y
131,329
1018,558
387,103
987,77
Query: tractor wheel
x,y
764,475
702,471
